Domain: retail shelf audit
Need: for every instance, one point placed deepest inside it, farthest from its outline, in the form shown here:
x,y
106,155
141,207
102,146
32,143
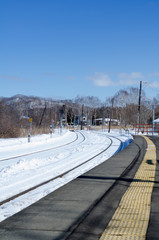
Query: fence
x,y
149,129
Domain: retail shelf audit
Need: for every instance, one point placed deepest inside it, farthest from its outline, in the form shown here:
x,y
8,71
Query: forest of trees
x,y
14,118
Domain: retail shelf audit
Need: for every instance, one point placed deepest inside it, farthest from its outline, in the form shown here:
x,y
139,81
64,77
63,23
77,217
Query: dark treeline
x,y
15,112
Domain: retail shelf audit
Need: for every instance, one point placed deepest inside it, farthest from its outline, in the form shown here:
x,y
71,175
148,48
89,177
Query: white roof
x,y
106,119
156,120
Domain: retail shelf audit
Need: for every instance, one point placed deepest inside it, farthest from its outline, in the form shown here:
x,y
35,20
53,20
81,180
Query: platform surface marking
x,y
130,220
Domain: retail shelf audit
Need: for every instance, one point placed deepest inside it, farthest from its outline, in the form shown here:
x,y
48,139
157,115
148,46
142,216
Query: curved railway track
x,y
58,176
44,150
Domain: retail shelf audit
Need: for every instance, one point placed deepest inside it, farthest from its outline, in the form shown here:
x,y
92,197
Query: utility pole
x,y
82,116
30,128
139,105
111,115
153,118
42,115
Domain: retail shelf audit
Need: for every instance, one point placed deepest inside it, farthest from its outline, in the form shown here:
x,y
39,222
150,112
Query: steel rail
x,y
44,150
58,176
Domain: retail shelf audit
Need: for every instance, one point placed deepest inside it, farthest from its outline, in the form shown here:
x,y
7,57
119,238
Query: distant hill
x,y
22,103
30,105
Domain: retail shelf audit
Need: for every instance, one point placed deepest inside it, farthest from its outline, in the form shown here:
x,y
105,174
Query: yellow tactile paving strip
x,y
130,220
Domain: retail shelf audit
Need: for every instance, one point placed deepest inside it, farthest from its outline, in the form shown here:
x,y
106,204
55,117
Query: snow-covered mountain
x,y
22,102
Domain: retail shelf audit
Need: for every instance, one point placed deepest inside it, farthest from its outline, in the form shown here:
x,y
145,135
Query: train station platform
x,y
116,200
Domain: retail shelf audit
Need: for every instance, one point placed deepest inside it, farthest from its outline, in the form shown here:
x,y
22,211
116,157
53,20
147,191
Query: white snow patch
x,y
19,174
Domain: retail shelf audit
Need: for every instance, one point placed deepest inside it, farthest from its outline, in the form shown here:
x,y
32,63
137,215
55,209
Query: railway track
x,y
61,175
44,150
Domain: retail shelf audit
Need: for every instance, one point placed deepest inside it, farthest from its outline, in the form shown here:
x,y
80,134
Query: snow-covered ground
x,y
57,154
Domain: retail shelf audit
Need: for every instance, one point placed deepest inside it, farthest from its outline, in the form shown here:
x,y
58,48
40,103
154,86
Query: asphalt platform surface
x,y
82,208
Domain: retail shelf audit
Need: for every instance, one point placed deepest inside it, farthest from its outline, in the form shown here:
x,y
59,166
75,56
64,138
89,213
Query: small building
x,y
156,121
80,119
156,125
105,121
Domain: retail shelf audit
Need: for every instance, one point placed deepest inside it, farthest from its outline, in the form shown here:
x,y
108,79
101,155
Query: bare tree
x,y
9,121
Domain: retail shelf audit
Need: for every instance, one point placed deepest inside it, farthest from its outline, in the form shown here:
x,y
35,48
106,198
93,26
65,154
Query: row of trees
x,y
122,106
9,121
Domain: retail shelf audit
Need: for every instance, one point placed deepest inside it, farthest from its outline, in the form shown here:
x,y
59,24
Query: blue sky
x,y
65,48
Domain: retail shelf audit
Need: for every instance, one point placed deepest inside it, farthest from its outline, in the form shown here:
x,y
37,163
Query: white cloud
x,y
128,82
129,79
155,74
7,77
124,79
132,75
154,84
102,80
153,81
14,78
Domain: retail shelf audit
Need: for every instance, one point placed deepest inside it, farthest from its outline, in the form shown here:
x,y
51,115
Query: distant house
x,y
156,125
105,121
80,119
156,121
